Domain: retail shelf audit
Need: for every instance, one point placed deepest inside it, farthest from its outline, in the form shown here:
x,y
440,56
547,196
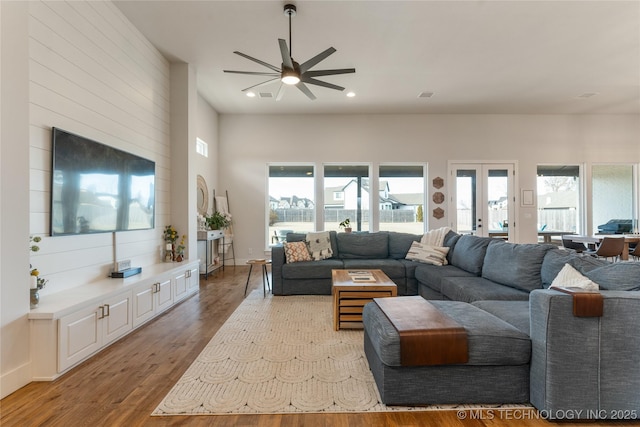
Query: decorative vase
x,y
35,297
179,258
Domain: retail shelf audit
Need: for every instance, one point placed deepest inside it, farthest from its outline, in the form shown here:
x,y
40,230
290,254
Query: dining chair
x,y
635,252
610,247
576,246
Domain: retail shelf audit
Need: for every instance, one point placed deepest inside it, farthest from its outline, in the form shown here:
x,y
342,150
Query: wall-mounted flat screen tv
x,y
98,189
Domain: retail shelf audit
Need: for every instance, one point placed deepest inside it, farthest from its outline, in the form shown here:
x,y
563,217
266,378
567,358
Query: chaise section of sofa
x,y
497,370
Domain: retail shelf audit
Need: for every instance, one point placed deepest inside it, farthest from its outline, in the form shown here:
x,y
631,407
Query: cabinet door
x,y
194,280
143,303
117,319
180,286
164,295
80,336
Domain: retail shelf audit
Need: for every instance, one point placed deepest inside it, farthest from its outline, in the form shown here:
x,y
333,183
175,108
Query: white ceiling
x,y
477,57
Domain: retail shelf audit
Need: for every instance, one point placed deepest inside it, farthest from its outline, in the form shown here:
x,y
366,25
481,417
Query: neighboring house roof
x,y
410,199
559,200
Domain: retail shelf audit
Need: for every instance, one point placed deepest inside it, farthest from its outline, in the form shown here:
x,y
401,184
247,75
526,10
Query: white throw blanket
x,y
319,245
435,237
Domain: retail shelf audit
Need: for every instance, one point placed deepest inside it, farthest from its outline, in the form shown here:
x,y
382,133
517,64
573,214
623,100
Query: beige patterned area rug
x,y
280,355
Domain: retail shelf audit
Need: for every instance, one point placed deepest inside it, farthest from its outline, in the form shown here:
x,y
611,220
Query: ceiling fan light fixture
x,y
290,77
292,73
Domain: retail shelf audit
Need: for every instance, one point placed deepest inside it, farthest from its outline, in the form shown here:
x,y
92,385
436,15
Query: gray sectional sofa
x,y
384,250
525,344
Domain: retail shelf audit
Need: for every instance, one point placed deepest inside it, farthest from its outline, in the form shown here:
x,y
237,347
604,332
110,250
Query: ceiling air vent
x,y
266,95
425,94
587,95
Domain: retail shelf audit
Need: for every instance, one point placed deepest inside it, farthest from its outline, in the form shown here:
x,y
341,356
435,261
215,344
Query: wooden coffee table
x,y
352,289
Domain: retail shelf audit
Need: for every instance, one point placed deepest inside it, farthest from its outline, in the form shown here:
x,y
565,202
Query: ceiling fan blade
x,y
329,72
260,84
321,83
284,51
304,89
250,58
280,92
252,73
313,61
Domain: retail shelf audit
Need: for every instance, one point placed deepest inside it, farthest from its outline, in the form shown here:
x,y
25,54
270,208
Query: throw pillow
x,y
569,277
319,245
617,276
296,252
436,255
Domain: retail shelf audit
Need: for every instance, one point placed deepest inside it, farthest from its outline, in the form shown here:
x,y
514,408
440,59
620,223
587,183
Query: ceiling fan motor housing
x,y
290,9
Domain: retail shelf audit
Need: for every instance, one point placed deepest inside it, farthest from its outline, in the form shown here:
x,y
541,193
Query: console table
x,y
206,253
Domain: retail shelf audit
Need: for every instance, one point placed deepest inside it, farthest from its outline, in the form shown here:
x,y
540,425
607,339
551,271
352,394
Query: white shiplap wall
x,y
92,73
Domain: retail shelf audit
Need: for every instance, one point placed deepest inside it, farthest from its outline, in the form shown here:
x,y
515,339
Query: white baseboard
x,y
15,379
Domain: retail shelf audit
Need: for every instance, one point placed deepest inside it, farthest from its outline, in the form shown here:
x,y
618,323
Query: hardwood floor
x,y
123,384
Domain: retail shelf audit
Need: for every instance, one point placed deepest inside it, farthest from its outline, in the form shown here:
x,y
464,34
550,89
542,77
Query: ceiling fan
x,y
291,73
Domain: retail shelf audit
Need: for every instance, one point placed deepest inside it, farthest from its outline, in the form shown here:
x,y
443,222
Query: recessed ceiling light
x,y
251,94
587,95
351,94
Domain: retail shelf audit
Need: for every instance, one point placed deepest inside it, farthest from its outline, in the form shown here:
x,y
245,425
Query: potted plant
x,y
218,220
346,225
170,237
180,248
37,282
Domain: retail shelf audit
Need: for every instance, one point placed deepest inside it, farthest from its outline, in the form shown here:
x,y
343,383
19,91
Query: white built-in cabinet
x,y
85,331
150,299
71,326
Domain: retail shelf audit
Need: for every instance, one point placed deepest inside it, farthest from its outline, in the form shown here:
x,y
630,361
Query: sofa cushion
x,y
431,275
319,245
450,240
470,289
569,277
555,259
515,265
619,276
311,269
393,268
515,313
435,255
302,237
469,253
363,245
399,243
296,252
491,341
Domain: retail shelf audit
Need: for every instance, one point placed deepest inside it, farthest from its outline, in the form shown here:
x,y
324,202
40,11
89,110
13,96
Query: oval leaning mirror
x,y
203,196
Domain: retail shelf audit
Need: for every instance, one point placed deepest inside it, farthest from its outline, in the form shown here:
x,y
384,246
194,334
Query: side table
x,y
265,278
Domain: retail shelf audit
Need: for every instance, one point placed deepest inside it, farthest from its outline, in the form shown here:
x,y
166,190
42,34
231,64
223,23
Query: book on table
x,y
361,276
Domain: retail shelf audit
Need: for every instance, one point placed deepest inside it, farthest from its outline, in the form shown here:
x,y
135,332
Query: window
x,y
338,195
291,201
401,198
612,198
559,207
352,182
202,147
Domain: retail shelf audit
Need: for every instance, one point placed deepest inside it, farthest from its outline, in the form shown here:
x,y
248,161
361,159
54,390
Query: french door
x,y
482,202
